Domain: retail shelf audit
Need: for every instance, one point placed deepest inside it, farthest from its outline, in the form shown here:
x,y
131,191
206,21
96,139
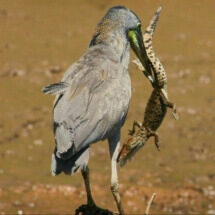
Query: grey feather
x,y
56,88
62,135
91,108
71,165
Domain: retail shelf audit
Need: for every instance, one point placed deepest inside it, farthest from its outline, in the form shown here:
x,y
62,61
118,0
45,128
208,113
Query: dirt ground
x,y
38,41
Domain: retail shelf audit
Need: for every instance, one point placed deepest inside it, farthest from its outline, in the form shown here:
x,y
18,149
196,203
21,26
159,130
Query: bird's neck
x,y
116,42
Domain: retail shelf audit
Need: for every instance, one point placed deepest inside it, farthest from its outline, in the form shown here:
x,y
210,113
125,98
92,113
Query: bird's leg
x,y
114,144
85,174
135,123
90,207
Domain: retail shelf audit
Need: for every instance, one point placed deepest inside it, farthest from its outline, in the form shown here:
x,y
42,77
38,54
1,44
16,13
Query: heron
x,y
92,99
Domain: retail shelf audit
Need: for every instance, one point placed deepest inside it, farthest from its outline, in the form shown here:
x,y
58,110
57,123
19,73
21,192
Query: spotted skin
x,y
157,104
157,68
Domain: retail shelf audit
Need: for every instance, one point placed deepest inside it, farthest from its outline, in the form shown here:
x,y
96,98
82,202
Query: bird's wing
x,y
80,113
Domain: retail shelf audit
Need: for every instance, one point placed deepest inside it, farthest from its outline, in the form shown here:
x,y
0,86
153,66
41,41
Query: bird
x,y
92,99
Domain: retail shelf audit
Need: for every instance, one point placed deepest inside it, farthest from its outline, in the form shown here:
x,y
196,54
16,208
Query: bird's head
x,y
121,23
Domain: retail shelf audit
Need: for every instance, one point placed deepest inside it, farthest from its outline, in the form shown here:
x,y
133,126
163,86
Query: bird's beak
x,y
137,45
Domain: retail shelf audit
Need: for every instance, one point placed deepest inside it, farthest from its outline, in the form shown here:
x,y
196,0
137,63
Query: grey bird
x,y
93,97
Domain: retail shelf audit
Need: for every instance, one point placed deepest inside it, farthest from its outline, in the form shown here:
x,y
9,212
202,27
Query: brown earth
x,y
38,41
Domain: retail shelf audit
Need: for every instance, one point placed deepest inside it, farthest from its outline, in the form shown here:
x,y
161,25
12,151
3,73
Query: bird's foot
x,y
92,210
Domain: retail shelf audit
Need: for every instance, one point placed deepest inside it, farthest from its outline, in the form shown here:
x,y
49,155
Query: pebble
x,y
30,126
211,212
45,63
55,70
204,79
130,203
17,203
19,212
38,142
191,111
31,205
10,152
128,193
17,72
182,36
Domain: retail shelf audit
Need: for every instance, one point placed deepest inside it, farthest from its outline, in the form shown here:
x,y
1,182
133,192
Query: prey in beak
x,y
137,45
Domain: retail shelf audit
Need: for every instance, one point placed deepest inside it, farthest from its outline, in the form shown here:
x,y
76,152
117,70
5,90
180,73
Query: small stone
x,y
30,126
17,203
211,212
19,212
191,111
31,205
168,169
204,79
9,152
55,70
17,72
210,187
44,62
128,193
130,203
38,142
181,36
149,184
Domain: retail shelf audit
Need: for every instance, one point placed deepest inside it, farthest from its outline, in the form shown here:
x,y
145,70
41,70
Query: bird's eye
x,y
139,25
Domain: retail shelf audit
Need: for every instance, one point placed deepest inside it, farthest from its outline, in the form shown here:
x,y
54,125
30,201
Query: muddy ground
x,y
38,41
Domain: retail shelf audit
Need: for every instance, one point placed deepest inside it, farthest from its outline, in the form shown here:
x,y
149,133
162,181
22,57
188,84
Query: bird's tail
x,y
70,165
